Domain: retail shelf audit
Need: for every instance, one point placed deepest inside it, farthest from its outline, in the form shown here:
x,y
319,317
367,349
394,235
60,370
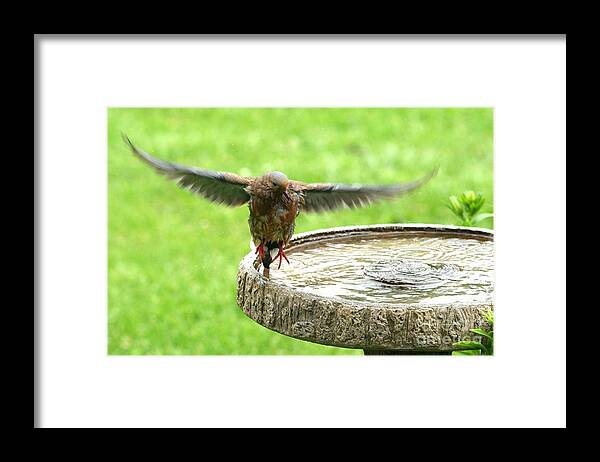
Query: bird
x,y
274,200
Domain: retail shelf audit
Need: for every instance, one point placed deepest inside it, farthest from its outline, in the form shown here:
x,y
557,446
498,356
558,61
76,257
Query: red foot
x,y
280,255
260,250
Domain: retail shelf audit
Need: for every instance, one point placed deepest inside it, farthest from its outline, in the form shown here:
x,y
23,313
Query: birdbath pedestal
x,y
385,289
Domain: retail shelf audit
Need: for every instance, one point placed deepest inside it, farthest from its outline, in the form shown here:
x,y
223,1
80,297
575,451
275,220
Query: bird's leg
x,y
260,258
280,255
260,250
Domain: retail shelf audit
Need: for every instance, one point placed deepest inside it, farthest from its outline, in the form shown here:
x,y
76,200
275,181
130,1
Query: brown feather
x,y
220,187
273,212
322,197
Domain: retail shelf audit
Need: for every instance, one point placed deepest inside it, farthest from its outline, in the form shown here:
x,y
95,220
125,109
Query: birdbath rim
x,y
301,238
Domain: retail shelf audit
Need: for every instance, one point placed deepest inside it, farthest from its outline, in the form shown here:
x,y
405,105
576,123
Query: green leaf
x,y
471,201
466,206
455,206
466,352
454,202
485,333
470,345
468,197
489,317
482,216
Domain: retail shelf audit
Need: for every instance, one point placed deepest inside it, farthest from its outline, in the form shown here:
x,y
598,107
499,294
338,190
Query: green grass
x,y
173,257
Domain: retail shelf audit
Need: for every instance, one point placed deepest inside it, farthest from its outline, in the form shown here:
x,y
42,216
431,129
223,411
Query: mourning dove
x,y
274,200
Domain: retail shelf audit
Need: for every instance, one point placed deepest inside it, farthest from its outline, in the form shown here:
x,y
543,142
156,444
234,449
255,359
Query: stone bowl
x,y
385,289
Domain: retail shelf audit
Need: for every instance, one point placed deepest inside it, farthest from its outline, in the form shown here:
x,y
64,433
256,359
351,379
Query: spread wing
x,y
324,197
220,187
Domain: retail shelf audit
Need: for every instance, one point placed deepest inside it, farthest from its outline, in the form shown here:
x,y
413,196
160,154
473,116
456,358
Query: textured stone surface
x,y
401,328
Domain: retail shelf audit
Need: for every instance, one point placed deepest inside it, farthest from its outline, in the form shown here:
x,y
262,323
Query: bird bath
x,y
386,289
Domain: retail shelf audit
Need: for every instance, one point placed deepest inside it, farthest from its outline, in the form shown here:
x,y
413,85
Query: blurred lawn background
x,y
173,256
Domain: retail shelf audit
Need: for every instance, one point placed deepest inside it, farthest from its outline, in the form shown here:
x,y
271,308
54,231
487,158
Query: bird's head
x,y
278,180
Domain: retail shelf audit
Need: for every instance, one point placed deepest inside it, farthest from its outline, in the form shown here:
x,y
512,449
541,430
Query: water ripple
x,y
412,273
418,269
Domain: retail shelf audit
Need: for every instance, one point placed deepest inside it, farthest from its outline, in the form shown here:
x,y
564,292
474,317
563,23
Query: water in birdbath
x,y
405,268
